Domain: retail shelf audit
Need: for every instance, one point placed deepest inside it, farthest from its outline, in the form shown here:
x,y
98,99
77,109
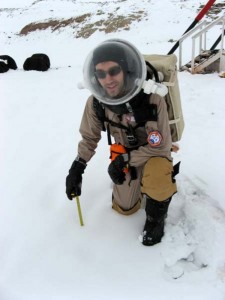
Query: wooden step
x,y
202,61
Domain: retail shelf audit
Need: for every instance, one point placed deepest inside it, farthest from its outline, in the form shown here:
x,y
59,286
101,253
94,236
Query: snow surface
x,y
45,253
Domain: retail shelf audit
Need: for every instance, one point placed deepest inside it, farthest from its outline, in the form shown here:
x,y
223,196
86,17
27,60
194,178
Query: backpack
x,y
166,64
156,64
37,62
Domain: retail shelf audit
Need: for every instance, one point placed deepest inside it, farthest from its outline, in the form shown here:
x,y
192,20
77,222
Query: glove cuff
x,y
78,166
81,160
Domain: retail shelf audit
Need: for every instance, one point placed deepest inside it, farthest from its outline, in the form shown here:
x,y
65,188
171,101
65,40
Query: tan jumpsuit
x,y
152,159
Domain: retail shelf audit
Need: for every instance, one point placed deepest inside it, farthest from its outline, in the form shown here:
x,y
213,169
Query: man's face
x,y
111,77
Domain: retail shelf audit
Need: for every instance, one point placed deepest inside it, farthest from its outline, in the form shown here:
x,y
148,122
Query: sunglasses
x,y
100,74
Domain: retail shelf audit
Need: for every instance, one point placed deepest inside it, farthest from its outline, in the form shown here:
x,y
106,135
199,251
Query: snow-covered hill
x,y
45,253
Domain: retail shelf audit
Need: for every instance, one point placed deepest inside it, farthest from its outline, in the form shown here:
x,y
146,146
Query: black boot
x,y
156,213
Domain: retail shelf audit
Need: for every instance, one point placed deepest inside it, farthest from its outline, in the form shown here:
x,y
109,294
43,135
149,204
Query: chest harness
x,y
142,110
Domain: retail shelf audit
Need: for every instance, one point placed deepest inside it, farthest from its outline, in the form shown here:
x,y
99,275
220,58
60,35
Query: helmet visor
x,y
114,71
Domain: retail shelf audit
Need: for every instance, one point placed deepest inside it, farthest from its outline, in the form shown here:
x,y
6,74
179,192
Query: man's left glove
x,y
116,168
74,179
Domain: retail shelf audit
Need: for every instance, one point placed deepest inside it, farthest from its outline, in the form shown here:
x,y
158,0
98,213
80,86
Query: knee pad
x,y
157,180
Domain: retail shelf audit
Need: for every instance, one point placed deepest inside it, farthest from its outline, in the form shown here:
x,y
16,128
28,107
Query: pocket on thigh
x,y
157,180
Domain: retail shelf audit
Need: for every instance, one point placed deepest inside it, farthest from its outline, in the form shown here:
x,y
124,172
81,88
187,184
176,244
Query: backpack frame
x,y
167,65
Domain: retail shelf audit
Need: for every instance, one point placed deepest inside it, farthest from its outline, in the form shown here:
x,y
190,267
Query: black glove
x,y
74,179
116,168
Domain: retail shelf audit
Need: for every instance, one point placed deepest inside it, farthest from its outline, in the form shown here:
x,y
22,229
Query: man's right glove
x,y
116,168
74,179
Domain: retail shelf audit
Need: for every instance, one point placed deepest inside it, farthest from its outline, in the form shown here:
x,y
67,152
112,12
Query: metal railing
x,y
202,28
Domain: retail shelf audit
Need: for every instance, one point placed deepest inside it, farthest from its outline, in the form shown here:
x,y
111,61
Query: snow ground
x,y
45,253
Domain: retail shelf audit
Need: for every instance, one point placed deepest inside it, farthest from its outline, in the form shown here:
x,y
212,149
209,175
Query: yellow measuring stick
x,y
79,211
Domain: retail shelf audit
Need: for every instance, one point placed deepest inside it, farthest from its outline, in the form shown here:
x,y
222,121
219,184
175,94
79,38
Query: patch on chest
x,y
154,138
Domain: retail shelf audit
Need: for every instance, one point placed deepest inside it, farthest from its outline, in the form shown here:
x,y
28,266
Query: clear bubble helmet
x,y
128,58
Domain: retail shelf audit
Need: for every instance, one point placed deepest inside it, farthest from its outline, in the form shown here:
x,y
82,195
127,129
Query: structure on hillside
x,y
206,60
